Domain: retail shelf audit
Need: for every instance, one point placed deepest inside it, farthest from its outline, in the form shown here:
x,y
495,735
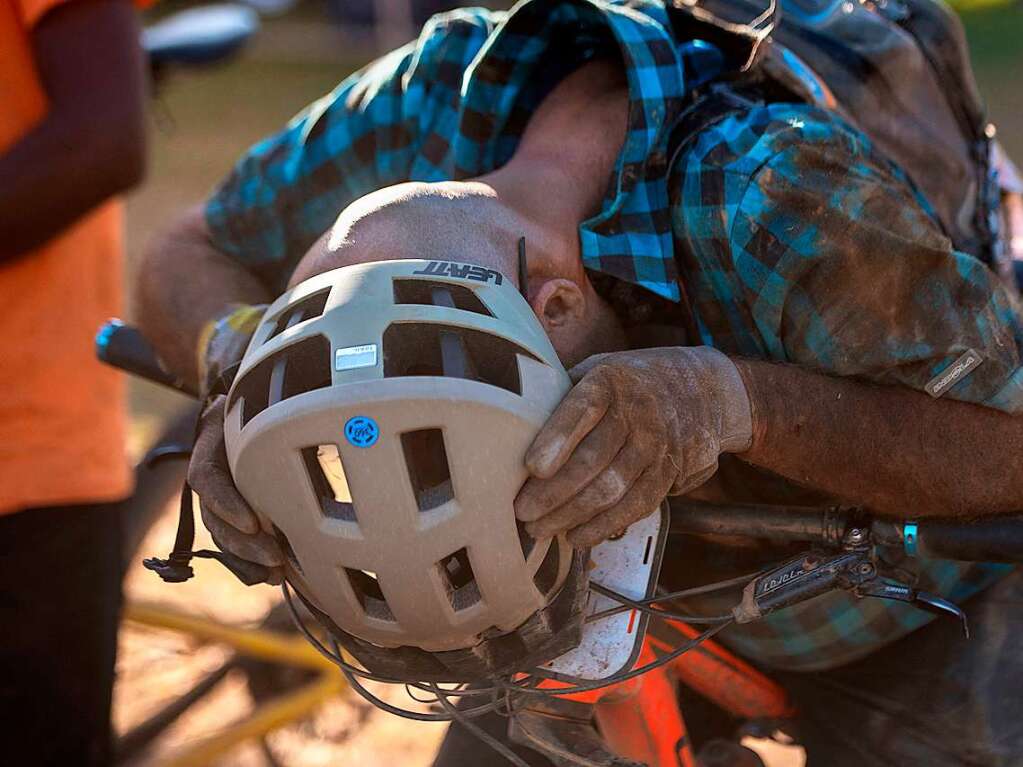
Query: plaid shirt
x,y
793,240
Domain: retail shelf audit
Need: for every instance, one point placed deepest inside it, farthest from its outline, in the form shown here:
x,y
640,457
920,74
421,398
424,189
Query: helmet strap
x,y
177,567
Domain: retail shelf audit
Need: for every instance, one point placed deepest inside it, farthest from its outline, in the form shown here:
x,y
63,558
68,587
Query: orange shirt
x,y
62,414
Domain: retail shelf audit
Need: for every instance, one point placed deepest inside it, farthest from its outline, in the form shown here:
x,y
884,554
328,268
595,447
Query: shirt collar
x,y
630,238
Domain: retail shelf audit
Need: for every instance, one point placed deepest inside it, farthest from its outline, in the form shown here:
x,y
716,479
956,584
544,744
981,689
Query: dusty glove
x,y
230,520
638,426
222,344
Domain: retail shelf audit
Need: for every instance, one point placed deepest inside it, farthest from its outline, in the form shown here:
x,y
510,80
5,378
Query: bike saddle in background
x,y
199,36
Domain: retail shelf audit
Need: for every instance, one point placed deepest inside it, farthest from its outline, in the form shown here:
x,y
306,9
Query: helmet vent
x,y
456,570
300,311
428,469
429,349
547,574
329,481
293,370
432,293
367,590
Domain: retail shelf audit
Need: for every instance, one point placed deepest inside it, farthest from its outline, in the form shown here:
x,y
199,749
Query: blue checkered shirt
x,y
792,239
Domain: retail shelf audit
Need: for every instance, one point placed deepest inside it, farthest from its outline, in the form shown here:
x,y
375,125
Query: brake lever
x,y
932,603
809,575
814,573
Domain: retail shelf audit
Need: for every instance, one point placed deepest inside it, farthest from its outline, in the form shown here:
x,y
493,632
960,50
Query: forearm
x,y
90,143
889,448
53,177
184,282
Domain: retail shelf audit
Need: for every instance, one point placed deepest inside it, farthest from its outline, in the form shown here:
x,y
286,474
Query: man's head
x,y
468,222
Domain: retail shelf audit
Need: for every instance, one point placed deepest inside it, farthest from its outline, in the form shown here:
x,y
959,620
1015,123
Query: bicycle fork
x,y
641,720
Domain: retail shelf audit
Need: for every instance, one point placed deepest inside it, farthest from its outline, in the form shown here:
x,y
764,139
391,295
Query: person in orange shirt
x,y
72,107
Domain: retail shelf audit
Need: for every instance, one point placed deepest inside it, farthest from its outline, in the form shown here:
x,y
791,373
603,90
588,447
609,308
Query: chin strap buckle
x,y
175,569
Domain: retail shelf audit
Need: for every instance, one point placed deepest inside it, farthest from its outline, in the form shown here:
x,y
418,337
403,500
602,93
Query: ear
x,y
558,303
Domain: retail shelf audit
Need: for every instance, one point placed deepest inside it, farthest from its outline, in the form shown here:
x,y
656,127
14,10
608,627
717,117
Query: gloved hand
x,y
230,520
637,426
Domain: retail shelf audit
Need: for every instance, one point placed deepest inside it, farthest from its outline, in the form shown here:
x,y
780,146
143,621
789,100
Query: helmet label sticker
x,y
352,357
461,271
362,431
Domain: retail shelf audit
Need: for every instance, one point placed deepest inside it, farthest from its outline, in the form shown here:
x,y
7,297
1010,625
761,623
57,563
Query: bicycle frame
x,y
286,649
641,720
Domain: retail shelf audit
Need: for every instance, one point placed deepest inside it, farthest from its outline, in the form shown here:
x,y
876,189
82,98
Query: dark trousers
x,y
933,698
60,600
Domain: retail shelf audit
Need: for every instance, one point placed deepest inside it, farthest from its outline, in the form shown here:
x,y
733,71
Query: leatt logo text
x,y
461,271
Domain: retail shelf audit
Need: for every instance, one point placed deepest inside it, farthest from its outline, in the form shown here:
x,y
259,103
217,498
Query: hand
x,y
232,523
222,344
638,426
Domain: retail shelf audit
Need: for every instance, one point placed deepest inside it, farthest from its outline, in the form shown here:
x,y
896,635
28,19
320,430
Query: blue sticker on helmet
x,y
362,431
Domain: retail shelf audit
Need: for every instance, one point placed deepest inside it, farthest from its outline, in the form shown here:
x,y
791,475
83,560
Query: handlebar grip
x,y
994,539
124,347
784,524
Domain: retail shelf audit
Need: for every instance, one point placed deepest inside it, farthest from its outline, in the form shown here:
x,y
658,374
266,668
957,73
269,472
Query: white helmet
x,y
377,425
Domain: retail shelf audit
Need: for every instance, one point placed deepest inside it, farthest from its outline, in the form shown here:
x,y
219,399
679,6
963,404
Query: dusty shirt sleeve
x,y
826,257
287,190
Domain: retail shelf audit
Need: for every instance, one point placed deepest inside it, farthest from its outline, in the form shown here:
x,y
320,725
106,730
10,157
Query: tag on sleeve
x,y
953,374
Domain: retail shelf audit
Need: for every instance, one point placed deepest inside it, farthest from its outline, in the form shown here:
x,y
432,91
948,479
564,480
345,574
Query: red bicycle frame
x,y
640,719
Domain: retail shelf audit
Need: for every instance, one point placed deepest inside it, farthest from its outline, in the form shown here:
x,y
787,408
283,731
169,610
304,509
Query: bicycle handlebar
x,y
993,539
782,524
124,347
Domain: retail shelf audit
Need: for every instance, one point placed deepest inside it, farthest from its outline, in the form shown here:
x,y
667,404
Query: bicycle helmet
x,y
377,425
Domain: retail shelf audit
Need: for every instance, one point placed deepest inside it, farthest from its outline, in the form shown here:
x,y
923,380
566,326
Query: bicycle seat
x,y
199,35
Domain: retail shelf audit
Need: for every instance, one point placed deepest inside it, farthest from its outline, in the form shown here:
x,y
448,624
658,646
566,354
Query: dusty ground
x,y
207,120
156,666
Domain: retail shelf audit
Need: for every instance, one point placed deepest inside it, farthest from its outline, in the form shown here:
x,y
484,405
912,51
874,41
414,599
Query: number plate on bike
x,y
629,566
